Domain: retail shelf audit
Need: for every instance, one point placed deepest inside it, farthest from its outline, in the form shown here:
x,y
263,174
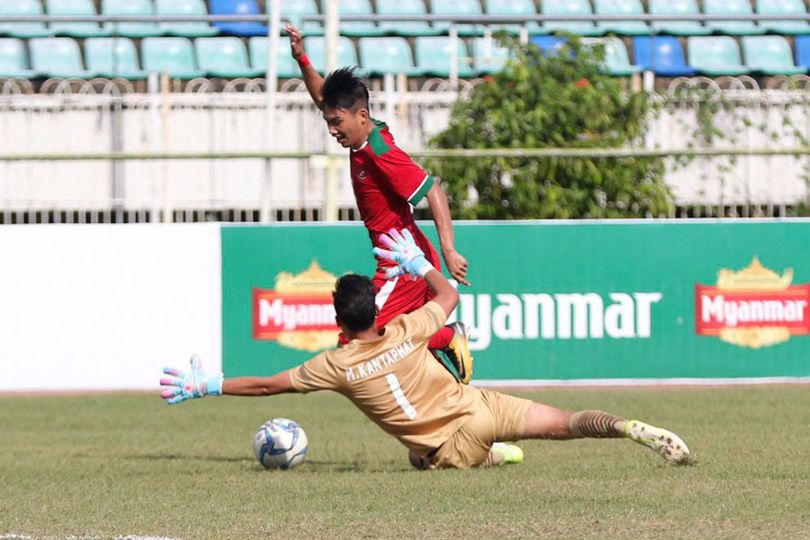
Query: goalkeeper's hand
x,y
191,384
409,257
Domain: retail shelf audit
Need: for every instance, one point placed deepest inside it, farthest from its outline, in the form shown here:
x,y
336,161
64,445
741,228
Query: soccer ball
x,y
280,444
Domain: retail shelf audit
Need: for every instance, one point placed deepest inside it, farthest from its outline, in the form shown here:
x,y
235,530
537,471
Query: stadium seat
x,y
379,56
731,7
621,7
113,57
405,28
457,7
58,57
13,61
489,56
677,7
433,56
769,55
617,62
783,7
141,8
570,7
293,11
316,51
19,29
184,29
225,57
549,44
803,52
356,28
716,56
662,55
514,8
74,8
286,67
238,7
174,55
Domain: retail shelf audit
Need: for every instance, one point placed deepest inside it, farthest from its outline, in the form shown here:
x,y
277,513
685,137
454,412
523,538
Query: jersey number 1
x,y
399,395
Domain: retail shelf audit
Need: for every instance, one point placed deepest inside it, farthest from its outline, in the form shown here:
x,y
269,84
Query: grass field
x,y
101,466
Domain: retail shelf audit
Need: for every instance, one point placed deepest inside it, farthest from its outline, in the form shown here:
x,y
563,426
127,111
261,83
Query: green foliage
x,y
539,101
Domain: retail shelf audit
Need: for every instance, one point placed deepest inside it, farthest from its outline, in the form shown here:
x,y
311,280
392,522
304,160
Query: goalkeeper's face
x,y
349,127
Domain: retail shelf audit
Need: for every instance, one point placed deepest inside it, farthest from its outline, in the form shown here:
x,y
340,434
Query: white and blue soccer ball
x,y
280,444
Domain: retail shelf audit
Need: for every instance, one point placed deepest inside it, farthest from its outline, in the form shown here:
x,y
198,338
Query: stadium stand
x,y
662,55
677,7
433,56
405,28
356,28
238,7
74,8
113,57
548,44
286,66
488,56
380,56
783,7
14,61
513,8
731,7
293,11
26,29
617,61
457,7
803,52
570,7
716,56
621,7
143,8
224,57
58,57
174,55
769,55
184,29
316,51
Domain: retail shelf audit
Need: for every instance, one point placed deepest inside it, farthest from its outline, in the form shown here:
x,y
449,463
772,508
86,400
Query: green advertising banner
x,y
551,300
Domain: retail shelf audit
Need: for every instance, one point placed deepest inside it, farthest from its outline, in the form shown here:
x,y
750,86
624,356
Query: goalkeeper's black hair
x,y
354,302
343,90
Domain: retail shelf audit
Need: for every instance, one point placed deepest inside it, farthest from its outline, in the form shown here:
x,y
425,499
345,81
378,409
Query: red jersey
x,y
387,185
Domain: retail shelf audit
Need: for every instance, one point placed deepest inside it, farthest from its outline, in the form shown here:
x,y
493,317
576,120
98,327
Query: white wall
x,y
106,307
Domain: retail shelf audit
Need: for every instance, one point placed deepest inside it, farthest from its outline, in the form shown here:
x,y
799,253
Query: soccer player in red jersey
x,y
387,184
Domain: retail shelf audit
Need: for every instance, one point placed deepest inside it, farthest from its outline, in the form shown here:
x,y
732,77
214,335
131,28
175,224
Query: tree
x,y
558,100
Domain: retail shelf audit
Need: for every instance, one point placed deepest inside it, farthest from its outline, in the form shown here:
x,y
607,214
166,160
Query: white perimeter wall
x,y
106,307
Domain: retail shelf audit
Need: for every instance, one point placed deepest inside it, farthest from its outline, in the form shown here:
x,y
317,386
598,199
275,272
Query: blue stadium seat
x,y
457,7
731,7
677,7
783,7
286,68
570,7
549,44
716,56
238,7
621,7
662,55
14,60
514,8
803,51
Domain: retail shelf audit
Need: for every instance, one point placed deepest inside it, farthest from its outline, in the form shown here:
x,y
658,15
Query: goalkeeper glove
x,y
191,384
409,257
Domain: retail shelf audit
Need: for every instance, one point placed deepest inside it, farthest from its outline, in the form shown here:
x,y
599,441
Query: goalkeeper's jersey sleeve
x,y
396,381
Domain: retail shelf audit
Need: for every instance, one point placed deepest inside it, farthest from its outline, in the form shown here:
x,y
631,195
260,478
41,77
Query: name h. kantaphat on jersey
x,y
387,184
396,381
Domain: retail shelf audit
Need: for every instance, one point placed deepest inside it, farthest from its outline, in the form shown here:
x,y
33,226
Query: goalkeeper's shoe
x,y
457,354
504,454
667,444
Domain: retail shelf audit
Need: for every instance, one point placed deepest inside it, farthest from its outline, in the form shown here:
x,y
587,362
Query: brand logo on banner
x,y
298,313
753,307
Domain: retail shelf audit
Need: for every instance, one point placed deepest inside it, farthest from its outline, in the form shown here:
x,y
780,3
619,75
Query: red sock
x,y
441,339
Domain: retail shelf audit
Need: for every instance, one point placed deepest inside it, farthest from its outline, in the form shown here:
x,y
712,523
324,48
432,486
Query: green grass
x,y
108,465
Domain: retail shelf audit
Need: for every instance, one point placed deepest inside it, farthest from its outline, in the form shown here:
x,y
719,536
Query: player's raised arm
x,y
455,261
196,383
312,78
411,260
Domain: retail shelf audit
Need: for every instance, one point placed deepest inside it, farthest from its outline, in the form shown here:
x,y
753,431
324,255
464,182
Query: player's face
x,y
347,126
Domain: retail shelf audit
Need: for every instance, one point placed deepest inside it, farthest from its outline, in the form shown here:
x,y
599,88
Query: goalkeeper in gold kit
x,y
390,375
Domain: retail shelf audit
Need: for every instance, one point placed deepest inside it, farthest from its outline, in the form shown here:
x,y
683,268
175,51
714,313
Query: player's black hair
x,y
343,90
354,302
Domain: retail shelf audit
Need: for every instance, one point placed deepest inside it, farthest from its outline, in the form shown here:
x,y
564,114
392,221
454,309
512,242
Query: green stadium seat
x,y
113,57
677,28
716,56
142,8
570,7
184,29
74,8
286,67
489,56
356,28
433,56
514,8
58,57
22,8
405,28
383,55
457,7
293,11
225,57
621,7
731,7
769,55
617,61
783,7
316,52
14,61
173,55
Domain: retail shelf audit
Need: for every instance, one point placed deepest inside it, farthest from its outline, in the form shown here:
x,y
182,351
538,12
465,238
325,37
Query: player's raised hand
x,y
195,383
296,43
409,257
